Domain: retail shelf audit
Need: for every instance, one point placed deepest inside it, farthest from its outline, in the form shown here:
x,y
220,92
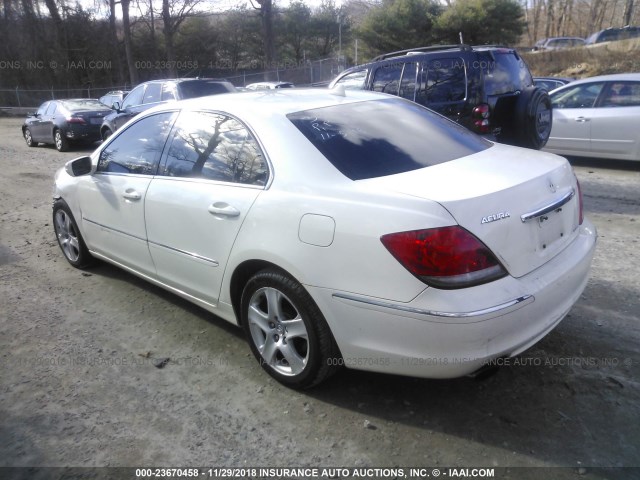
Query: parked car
x,y
614,34
63,122
550,83
156,92
487,89
558,43
336,228
269,85
114,96
597,117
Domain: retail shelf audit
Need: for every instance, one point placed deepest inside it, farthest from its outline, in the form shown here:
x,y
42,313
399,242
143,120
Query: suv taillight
x,y
480,116
445,257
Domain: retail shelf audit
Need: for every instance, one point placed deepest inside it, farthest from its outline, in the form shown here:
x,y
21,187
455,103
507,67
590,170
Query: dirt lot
x,y
77,390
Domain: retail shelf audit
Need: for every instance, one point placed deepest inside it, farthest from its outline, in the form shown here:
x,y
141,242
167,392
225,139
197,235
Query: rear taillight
x,y
580,204
446,257
480,116
75,120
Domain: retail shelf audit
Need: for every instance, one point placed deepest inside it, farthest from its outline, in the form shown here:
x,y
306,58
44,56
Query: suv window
x,y
138,148
215,147
353,80
504,72
384,137
134,98
408,83
152,93
387,78
201,88
442,81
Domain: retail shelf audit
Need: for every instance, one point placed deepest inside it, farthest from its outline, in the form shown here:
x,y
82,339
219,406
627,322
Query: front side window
x,y
384,137
443,81
622,94
138,148
387,78
168,92
134,98
43,109
152,93
353,80
578,96
215,147
52,108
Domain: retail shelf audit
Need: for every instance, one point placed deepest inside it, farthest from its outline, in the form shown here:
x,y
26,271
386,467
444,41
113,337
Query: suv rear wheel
x,y
533,120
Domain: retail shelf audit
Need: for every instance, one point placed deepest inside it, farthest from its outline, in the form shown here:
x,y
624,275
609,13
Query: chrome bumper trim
x,y
520,302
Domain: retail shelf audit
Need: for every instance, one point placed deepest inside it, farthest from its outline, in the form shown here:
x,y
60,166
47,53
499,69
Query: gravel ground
x,y
78,386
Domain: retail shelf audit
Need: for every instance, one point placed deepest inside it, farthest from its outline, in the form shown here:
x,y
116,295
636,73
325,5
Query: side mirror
x,y
116,106
32,114
79,166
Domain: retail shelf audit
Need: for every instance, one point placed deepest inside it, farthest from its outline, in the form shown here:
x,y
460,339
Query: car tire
x,y
69,238
28,138
286,331
533,119
106,133
60,141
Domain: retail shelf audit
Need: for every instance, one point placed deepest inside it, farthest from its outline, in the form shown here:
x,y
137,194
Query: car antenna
x,y
460,34
339,91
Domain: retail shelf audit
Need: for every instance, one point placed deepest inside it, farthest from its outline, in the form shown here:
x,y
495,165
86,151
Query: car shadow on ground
x,y
547,404
629,165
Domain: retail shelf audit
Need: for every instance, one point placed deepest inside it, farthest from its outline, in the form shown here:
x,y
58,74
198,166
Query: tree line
x,y
52,43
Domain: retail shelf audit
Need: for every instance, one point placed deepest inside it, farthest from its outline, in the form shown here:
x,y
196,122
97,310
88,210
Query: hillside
x,y
606,58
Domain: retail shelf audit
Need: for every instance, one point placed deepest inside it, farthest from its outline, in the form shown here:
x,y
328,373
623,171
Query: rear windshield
x,y
202,89
80,104
504,72
384,137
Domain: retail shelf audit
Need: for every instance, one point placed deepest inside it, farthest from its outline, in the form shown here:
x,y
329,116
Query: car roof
x,y
617,77
261,103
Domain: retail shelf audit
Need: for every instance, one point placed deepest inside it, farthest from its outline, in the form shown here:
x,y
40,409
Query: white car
x,y
597,117
355,229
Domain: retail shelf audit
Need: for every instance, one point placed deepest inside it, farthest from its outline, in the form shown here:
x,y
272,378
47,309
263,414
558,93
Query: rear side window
x,y
387,78
442,81
215,147
384,137
622,94
504,72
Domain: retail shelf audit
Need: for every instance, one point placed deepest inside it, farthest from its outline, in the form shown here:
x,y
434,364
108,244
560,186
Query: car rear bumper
x,y
83,132
451,333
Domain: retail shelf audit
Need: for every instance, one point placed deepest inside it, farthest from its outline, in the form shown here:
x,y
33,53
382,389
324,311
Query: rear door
x,y
615,123
212,173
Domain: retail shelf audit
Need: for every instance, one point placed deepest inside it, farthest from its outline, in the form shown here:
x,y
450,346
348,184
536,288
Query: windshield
x,y
384,137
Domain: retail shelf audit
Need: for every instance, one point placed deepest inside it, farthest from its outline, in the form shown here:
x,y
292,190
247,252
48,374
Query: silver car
x,y
597,117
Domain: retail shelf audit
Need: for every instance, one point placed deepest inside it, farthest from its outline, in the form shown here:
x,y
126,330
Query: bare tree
x,y
173,14
628,12
265,8
126,26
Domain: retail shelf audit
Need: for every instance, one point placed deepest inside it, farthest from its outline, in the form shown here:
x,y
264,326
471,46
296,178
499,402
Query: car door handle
x,y
131,194
582,119
221,208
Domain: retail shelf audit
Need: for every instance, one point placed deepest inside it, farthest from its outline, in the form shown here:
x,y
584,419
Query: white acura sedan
x,y
355,229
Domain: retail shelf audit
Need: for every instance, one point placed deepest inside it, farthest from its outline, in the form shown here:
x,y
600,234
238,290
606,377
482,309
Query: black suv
x,y
487,89
155,92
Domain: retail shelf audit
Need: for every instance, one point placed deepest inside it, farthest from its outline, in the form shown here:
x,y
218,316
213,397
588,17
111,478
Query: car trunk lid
x,y
521,203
